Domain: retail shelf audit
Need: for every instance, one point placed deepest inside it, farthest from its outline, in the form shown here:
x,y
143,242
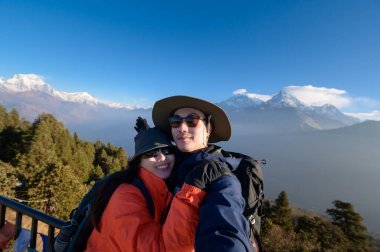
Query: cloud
x,y
241,91
367,102
318,96
373,115
244,91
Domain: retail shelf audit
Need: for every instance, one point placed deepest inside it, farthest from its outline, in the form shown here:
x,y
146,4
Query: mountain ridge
x,y
21,83
281,112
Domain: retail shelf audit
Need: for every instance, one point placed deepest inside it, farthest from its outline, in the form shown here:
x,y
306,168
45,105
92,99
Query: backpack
x,y
250,176
74,235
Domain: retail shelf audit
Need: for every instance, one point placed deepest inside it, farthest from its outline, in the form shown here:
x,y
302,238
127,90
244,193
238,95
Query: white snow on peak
x,y
26,82
32,82
328,109
79,97
241,101
283,98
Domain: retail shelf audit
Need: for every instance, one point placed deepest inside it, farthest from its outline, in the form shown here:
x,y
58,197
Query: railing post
x,y
33,235
50,236
3,210
18,224
36,216
2,214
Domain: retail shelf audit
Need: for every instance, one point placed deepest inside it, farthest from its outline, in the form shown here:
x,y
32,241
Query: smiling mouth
x,y
162,167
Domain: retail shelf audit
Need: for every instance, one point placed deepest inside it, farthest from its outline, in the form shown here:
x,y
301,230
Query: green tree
x,y
277,226
350,222
8,179
56,190
96,174
314,230
109,158
12,135
276,239
122,157
76,138
282,213
3,116
11,144
48,143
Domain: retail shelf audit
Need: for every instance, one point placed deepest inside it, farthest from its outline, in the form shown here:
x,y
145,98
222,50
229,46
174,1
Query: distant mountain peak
x,y
20,83
285,99
241,101
26,82
328,109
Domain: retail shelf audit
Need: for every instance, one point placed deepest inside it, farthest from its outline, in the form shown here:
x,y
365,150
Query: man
x,y
193,124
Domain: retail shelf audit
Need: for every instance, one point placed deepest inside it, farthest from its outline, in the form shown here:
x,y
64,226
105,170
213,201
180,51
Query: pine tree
x,y
48,143
3,117
96,174
109,158
12,135
277,226
122,157
76,138
323,234
282,213
350,222
8,179
56,190
276,239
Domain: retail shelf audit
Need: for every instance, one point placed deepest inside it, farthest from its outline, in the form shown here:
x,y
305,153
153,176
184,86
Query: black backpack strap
x,y
140,185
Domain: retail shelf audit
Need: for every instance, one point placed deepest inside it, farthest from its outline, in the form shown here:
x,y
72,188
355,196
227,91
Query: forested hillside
x,y
44,166
342,230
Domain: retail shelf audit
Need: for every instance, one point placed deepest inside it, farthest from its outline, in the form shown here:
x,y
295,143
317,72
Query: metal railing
x,y
36,216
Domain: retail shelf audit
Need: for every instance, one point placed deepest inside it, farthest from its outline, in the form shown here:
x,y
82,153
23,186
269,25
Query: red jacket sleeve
x,y
181,223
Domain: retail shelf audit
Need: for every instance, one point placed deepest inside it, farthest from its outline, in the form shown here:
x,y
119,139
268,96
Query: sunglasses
x,y
156,152
190,120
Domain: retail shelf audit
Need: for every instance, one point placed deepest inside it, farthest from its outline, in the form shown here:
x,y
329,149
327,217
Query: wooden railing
x,y
36,216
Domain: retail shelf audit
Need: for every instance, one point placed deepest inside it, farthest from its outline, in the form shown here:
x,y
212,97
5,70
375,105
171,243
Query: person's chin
x,y
184,147
164,175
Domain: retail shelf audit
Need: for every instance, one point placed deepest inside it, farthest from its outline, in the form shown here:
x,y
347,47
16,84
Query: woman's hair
x,y
104,192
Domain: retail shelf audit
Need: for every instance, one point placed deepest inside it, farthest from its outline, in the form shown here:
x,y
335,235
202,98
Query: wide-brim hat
x,y
164,108
150,139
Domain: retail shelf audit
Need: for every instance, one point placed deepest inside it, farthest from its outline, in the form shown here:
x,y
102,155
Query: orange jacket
x,y
126,224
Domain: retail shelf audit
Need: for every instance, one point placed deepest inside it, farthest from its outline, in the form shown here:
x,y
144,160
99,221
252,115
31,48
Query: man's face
x,y
189,139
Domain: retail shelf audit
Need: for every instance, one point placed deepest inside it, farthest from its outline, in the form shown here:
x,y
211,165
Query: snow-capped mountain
x,y
249,113
23,83
240,101
326,109
283,113
284,99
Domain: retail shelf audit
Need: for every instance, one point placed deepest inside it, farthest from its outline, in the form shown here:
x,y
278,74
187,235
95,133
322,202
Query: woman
x,y
120,214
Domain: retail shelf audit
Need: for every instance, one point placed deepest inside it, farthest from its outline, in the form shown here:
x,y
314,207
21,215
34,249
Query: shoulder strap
x,y
140,185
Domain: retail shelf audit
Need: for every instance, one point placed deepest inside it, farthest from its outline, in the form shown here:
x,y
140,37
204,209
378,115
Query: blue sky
x,y
135,52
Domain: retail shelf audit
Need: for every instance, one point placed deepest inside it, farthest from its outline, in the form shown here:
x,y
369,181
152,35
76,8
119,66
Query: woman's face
x,y
158,161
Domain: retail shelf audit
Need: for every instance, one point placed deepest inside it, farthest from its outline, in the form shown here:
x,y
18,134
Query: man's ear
x,y
209,125
209,128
